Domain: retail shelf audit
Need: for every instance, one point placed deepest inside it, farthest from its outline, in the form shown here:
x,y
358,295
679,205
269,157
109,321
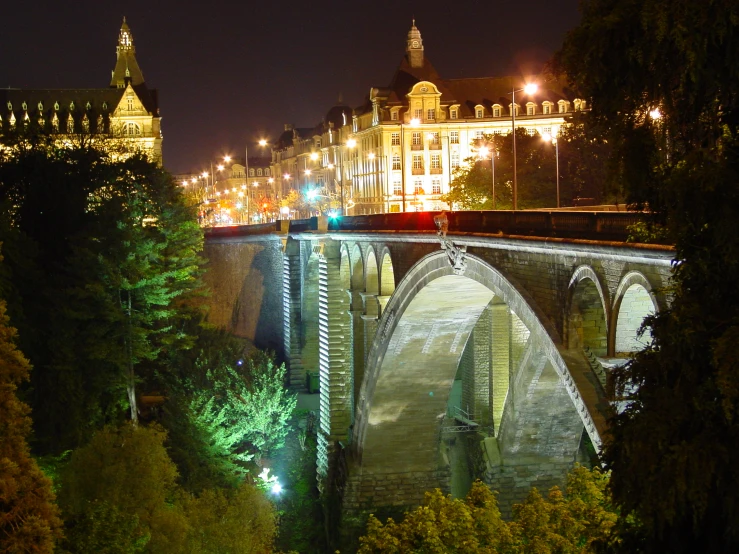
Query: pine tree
x,y
29,518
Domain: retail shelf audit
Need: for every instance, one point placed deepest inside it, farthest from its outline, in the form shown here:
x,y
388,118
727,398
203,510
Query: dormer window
x,y
71,106
56,106
70,123
530,108
479,112
24,106
88,106
453,113
562,104
514,107
251,172
546,108
129,103
394,115
496,110
259,172
10,107
40,107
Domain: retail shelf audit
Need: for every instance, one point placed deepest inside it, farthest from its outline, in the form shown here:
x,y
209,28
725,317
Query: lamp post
x,y
549,138
530,88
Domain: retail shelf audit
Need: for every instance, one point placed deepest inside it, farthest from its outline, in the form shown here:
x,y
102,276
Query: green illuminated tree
x,y
672,451
29,518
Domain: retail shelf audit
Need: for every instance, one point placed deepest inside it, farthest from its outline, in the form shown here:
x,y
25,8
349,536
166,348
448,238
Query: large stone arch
x,y
634,300
586,321
387,278
409,373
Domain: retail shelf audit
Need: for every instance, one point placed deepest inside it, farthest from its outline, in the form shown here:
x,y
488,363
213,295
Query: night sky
x,y
231,72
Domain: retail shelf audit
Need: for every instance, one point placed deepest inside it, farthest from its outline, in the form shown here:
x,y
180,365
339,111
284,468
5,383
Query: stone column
x,y
482,355
291,305
335,356
370,319
500,316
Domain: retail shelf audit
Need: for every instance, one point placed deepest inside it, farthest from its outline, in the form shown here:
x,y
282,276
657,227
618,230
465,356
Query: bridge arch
x,y
412,363
633,302
387,274
357,268
586,323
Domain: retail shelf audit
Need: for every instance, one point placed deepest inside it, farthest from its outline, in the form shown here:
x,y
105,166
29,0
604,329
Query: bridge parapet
x,y
604,226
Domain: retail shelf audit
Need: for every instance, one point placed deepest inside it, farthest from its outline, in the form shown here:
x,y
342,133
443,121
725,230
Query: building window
x,y
131,129
478,113
546,109
129,103
562,106
396,161
453,113
394,115
496,111
259,172
431,114
418,186
479,135
266,172
417,162
455,160
397,188
418,113
395,139
251,172
547,131
531,132
436,186
433,138
530,109
318,143
435,161
416,139
454,137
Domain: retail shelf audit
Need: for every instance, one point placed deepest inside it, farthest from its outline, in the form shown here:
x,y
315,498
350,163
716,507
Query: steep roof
x,y
126,67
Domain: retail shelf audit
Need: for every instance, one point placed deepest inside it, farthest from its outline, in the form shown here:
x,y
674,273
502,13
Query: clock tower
x,y
414,47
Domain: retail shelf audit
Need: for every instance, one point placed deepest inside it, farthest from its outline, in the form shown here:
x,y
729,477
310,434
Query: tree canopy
x,y
663,78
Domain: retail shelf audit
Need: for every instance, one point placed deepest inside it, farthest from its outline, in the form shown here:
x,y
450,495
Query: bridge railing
x,y
608,226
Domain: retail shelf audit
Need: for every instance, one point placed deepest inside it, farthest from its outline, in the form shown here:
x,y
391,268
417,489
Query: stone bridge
x,y
482,354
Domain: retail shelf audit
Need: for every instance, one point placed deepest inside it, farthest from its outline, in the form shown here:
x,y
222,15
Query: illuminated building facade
x,y
398,151
125,115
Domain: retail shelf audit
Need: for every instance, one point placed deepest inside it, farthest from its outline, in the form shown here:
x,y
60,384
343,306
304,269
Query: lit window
x,y
251,172
318,143
85,124
70,123
530,109
416,139
55,123
531,132
479,135
433,138
478,113
546,109
418,113
397,188
562,106
431,114
496,111
418,186
131,129
395,139
394,115
454,137
129,103
259,172
417,162
455,160
436,186
396,161
547,131
453,113
266,172
435,161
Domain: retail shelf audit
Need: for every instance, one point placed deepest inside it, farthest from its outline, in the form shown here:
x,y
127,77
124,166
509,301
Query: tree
x,y
103,268
663,79
472,186
29,517
574,523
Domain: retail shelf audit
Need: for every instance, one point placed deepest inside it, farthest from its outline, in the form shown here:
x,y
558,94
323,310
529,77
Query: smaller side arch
x,y
357,268
387,273
634,300
371,273
587,315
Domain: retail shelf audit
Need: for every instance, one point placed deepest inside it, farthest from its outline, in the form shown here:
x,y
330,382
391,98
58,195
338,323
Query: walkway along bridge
x,y
507,318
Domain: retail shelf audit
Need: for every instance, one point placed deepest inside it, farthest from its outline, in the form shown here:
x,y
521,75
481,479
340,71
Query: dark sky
x,y
228,72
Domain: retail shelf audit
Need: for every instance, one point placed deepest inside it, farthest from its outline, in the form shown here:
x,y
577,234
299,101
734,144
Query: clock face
x,y
415,44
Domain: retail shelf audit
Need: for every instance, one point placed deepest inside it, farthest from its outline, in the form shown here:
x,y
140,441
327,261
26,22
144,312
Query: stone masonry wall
x,y
513,482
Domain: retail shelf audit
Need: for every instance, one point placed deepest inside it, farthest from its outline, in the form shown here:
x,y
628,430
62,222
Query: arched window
x,y
259,172
530,108
562,104
131,129
453,113
266,172
496,110
251,172
479,112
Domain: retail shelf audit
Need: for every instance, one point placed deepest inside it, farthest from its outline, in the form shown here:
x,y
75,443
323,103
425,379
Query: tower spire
x,y
126,67
414,46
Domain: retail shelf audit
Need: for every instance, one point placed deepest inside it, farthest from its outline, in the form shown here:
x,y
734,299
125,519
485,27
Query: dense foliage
x,y
101,274
663,78
570,524
582,171
29,520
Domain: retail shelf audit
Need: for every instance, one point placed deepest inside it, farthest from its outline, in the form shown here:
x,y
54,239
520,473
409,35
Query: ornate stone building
x,y
398,150
127,111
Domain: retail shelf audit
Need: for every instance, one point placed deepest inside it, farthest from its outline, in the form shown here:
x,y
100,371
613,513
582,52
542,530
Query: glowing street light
x,y
351,143
262,142
415,122
227,159
314,156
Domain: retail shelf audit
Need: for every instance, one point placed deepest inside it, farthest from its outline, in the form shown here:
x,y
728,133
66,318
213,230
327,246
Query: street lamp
x,y
530,88
549,138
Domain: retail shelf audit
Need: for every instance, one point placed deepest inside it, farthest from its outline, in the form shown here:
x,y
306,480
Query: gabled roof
x,y
127,69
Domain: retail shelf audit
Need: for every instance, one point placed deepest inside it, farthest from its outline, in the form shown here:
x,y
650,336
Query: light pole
x,y
549,138
531,88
